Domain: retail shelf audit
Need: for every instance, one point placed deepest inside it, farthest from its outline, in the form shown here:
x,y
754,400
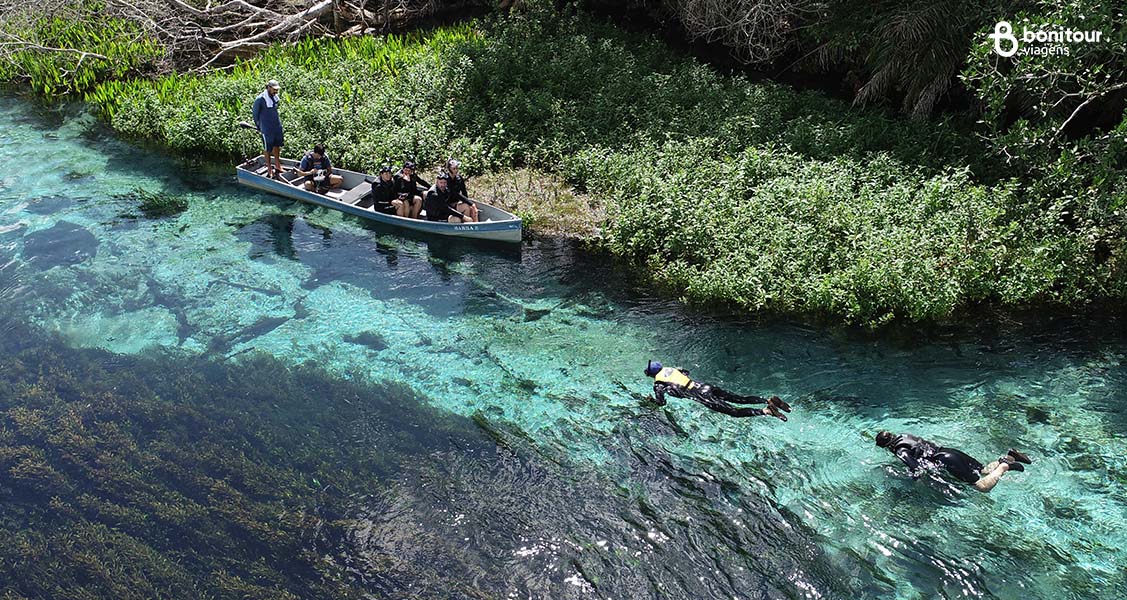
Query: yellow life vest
x,y
674,376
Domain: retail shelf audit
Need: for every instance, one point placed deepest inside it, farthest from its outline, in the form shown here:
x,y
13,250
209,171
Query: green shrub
x,y
98,48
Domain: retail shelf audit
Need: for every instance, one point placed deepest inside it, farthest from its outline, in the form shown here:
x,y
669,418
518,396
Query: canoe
x,y
495,224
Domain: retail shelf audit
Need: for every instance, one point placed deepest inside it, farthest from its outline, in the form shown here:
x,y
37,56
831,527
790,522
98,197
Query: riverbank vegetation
x,y
726,190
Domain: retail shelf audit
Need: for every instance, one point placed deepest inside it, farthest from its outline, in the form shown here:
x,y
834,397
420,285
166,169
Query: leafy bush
x,y
1059,120
870,242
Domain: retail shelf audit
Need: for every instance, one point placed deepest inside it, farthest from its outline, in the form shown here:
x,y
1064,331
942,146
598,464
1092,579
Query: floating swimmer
x,y
676,382
920,454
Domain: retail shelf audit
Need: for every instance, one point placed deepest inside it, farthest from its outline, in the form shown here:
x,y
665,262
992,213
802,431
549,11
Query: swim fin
x,y
778,403
773,411
1014,465
1019,456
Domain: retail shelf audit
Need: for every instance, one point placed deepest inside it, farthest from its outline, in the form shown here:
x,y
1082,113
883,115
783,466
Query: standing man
x,y
676,382
266,119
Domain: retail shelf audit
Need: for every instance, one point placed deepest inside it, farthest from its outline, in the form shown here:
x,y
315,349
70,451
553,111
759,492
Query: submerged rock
x,y
48,205
369,339
535,314
64,244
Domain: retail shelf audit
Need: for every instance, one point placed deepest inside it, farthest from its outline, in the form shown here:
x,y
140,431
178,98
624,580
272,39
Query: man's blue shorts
x,y
272,139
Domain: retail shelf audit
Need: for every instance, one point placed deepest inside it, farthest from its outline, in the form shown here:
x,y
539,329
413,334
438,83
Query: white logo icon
x,y
1004,31
1046,40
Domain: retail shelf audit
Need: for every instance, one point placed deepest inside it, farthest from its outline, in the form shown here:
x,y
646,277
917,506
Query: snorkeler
x,y
676,382
919,454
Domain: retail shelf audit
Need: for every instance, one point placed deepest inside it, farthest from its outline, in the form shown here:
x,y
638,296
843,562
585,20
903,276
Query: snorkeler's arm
x,y
905,456
659,393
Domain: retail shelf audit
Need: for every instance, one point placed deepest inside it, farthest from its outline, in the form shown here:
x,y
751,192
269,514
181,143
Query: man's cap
x,y
409,165
385,168
653,368
443,176
273,83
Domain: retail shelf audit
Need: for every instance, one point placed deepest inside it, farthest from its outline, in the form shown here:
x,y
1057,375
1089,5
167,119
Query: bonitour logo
x,y
1047,40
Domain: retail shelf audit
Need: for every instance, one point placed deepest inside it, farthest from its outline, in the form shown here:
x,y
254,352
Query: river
x,y
519,457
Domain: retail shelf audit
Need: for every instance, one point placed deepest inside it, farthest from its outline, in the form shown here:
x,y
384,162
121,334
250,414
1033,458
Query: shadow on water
x,y
377,265
47,205
64,243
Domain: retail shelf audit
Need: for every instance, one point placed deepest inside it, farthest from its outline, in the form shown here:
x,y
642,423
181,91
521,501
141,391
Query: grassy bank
x,y
729,192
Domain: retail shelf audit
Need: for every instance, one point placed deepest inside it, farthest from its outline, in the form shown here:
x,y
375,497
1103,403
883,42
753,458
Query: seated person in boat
x,y
318,170
409,189
440,205
458,191
384,198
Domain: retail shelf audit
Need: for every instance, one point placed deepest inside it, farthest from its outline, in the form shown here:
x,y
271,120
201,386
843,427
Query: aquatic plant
x,y
133,478
156,205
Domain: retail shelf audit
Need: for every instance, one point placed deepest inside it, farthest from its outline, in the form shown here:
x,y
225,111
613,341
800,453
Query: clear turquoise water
x,y
591,492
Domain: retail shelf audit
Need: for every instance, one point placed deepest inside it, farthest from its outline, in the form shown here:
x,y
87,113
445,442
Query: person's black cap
x,y
409,165
884,438
443,176
385,168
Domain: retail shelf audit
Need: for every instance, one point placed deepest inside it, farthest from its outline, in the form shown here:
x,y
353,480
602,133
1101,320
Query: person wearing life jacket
x,y
316,164
676,382
920,454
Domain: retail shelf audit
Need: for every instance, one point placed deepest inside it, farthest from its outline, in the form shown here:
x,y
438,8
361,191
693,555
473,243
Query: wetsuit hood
x,y
653,368
884,438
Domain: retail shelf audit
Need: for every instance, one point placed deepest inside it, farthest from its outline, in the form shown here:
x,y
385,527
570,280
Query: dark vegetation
x,y
156,205
135,478
730,191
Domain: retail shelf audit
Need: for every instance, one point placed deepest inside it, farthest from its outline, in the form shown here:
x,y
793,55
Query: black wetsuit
x,y
436,203
714,398
383,192
457,187
918,453
415,186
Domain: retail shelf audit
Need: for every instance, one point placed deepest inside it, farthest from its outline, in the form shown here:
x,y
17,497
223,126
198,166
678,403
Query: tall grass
x,y
102,48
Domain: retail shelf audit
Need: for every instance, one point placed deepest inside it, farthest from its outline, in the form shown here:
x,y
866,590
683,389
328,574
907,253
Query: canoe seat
x,y
355,194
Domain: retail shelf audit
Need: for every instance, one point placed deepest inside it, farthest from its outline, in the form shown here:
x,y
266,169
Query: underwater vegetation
x,y
154,205
139,478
